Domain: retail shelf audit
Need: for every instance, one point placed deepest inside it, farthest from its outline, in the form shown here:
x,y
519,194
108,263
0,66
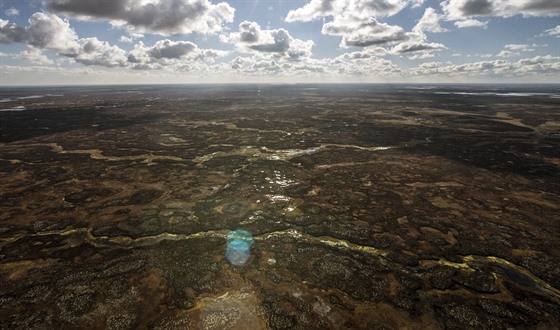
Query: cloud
x,y
11,32
255,65
541,60
538,65
356,21
95,52
11,12
471,23
34,55
313,10
49,32
251,38
360,33
515,49
464,11
430,22
415,42
358,64
417,3
555,32
373,66
280,42
309,68
130,38
518,47
322,8
164,17
507,53
171,49
266,64
363,63
421,56
177,55
417,45
370,52
249,32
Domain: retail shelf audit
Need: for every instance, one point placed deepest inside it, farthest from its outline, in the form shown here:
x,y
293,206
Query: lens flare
x,y
238,248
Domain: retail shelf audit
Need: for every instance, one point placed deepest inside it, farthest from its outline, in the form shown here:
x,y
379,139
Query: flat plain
x,y
371,206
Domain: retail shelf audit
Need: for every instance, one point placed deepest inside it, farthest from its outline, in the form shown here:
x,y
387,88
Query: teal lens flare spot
x,y
238,248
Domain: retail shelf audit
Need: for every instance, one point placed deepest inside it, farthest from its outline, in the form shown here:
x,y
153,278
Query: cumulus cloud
x,y
95,52
131,37
356,21
34,55
430,22
171,49
164,17
49,32
555,32
518,47
373,66
256,65
417,45
309,68
371,52
538,65
421,56
279,42
464,11
366,62
265,64
360,64
167,53
515,49
417,41
360,33
417,3
11,32
322,8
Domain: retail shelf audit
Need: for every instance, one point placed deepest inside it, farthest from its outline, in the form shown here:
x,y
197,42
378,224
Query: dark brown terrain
x,y
372,207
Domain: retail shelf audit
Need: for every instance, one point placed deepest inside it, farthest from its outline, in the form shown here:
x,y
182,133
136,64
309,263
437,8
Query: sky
x,y
65,42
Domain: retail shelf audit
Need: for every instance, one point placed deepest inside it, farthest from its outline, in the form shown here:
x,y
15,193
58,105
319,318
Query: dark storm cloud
x,y
159,16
